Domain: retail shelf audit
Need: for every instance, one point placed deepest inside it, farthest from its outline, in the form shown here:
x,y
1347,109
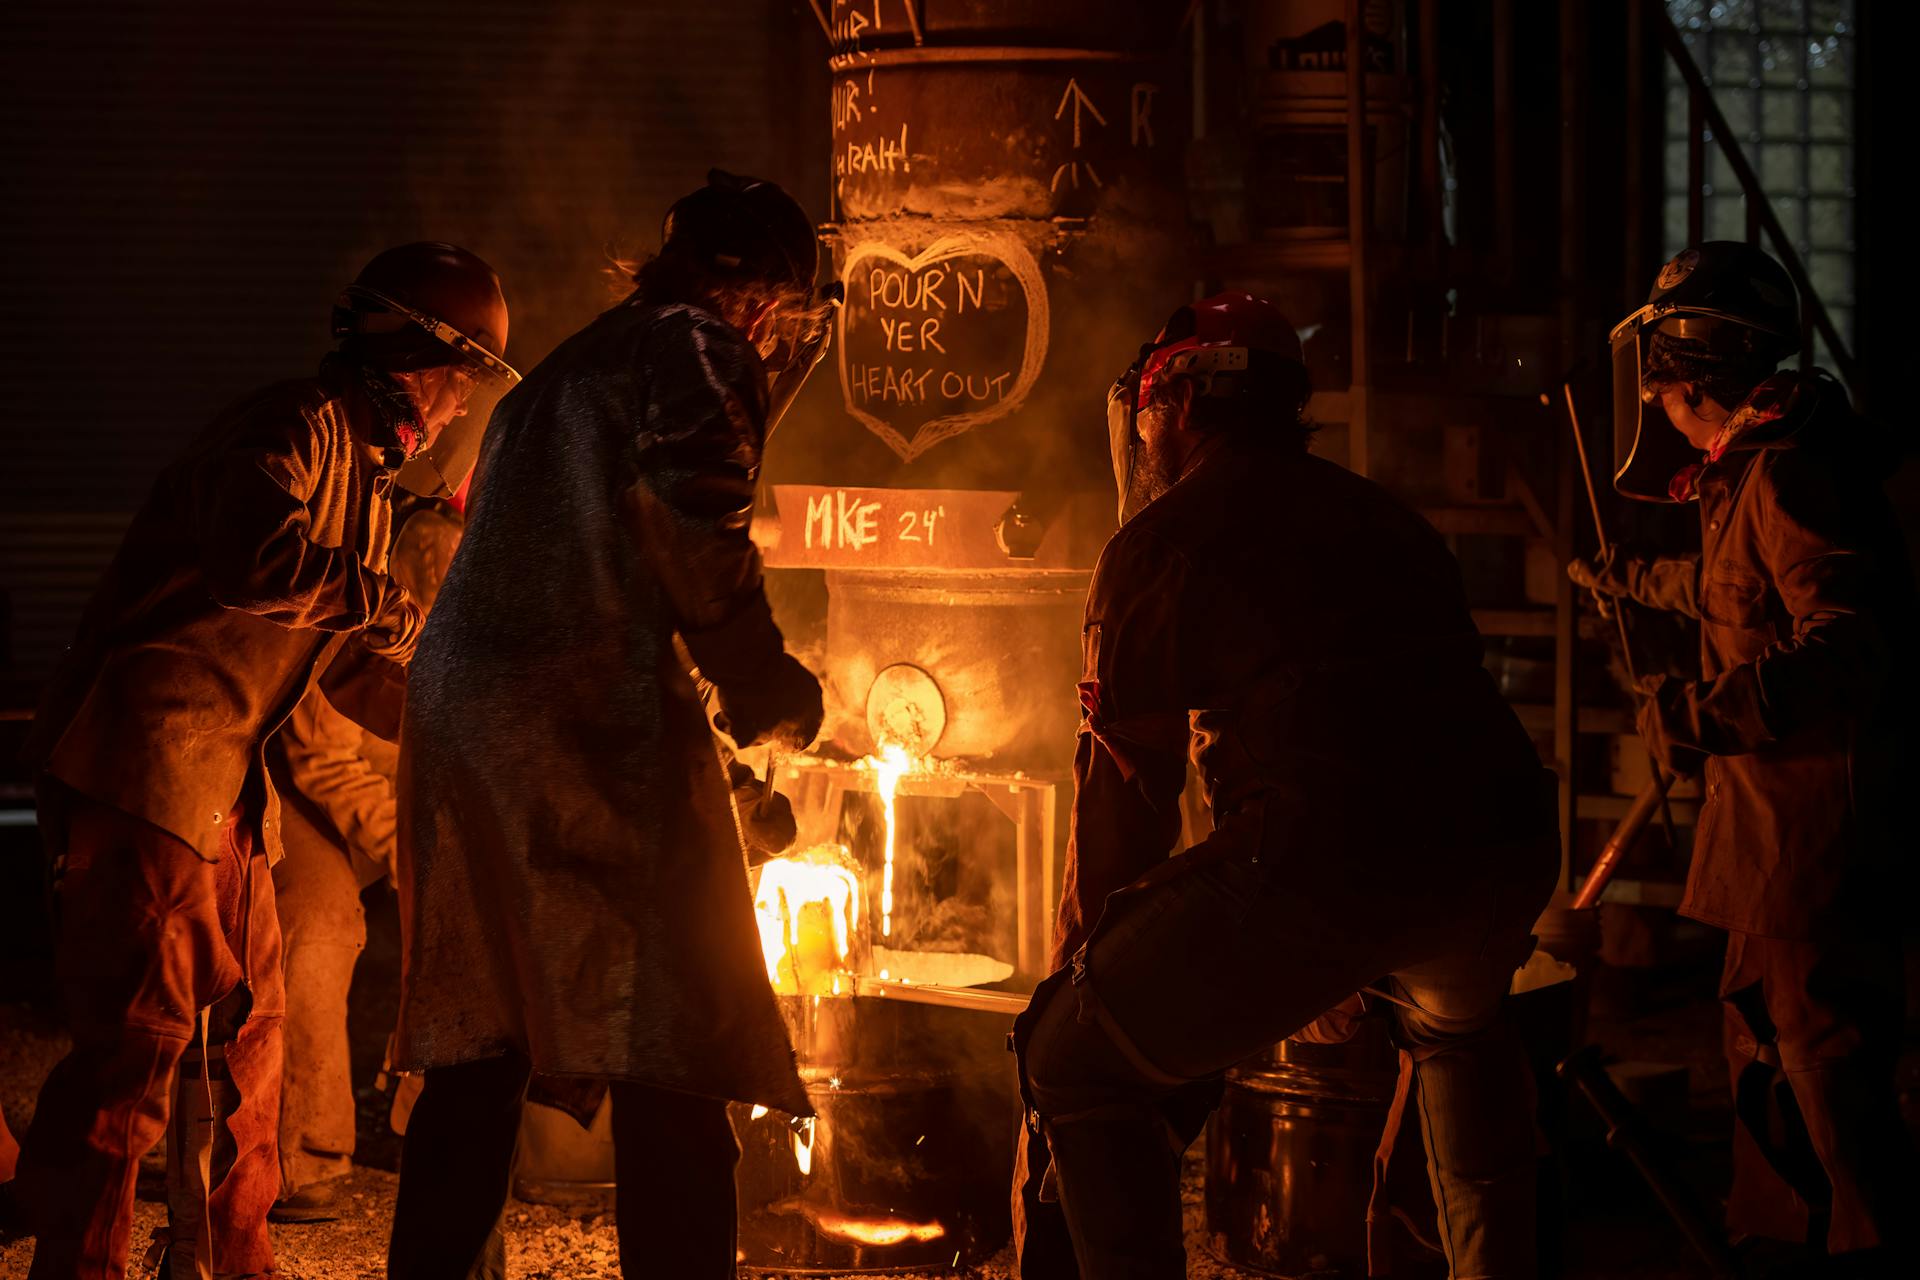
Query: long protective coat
x,y
257,554
571,875
1806,608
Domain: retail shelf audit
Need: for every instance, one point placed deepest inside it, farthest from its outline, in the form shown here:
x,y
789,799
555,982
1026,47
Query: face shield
x,y
1647,447
1123,438
441,468
797,344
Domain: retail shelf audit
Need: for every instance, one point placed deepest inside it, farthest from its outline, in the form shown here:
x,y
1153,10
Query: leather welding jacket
x,y
1307,638
573,887
335,772
253,559
1807,625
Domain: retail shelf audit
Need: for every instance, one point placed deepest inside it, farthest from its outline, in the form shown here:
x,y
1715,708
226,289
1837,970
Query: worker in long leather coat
x,y
260,555
1802,720
573,889
1380,818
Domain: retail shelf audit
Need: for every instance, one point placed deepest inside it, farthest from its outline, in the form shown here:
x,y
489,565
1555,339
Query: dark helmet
x,y
747,229
1720,307
424,305
1233,346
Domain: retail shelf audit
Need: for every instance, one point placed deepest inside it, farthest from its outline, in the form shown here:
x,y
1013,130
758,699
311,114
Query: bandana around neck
x,y
396,420
1771,401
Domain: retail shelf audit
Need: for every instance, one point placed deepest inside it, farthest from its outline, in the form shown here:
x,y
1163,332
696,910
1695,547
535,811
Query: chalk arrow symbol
x,y
1079,100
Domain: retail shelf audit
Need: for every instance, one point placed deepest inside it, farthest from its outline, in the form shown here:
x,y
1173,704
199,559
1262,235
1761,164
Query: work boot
x,y
316,1202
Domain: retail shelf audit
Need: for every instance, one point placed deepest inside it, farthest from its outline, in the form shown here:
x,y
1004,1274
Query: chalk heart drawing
x,y
1001,248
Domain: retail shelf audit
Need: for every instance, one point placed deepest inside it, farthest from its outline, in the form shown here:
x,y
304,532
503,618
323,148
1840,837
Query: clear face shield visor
x,y
1123,436
801,333
1647,448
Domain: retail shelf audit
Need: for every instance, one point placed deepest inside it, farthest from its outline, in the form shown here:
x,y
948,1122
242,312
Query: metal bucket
x,y
1290,1155
559,1163
911,1147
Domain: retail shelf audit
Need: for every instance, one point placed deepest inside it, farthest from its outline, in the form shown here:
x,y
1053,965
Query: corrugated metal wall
x,y
189,184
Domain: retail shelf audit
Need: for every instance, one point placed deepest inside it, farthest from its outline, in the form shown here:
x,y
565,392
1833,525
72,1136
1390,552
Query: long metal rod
x,y
1619,614
973,998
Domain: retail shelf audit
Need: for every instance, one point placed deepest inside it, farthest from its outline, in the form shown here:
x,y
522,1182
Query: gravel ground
x,y
542,1243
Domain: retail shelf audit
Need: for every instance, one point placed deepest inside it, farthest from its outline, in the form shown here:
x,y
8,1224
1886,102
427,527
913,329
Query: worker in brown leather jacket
x,y
1380,817
260,554
1801,719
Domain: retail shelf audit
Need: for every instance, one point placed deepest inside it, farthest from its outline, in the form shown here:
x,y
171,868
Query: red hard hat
x,y
427,304
1229,332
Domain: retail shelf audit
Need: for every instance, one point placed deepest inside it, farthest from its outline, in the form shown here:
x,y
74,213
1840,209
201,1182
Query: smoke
x,y
598,118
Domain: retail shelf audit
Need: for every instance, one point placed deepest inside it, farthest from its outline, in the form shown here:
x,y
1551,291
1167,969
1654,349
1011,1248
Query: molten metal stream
x,y
891,765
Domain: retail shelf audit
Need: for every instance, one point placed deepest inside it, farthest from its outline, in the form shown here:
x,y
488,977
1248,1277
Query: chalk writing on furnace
x,y
835,520
932,344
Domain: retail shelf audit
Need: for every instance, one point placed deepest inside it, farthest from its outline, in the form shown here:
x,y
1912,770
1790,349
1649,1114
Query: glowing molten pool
x,y
876,1231
808,908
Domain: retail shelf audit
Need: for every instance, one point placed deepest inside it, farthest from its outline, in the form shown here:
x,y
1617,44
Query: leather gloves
x,y
766,817
1658,707
393,632
781,704
1606,573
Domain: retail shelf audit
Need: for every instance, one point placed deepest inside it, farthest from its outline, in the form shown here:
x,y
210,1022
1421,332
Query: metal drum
x,y
1290,1155
1002,649
910,1151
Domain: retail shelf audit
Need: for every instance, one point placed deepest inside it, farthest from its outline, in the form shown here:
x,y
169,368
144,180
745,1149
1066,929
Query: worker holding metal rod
x,y
1800,721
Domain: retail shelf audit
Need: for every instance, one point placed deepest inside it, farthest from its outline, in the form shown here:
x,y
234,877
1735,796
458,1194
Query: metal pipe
x,y
1627,1134
1624,837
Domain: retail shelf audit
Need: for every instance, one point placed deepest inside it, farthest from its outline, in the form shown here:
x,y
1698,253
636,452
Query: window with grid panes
x,y
1782,74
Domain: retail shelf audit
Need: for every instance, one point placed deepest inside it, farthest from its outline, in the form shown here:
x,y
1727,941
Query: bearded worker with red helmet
x,y
573,886
1380,818
257,568
1802,722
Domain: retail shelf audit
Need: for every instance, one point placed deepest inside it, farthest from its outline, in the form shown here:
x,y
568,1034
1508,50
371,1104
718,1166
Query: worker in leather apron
x,y
1379,817
573,883
259,562
1802,722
